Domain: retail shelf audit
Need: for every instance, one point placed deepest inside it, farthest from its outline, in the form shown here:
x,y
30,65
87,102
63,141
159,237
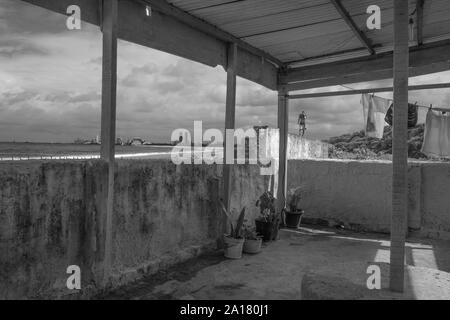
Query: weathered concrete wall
x,y
301,148
436,200
357,194
298,147
50,218
50,214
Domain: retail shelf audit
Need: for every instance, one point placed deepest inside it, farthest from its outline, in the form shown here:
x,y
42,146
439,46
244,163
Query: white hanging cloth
x,y
436,141
374,111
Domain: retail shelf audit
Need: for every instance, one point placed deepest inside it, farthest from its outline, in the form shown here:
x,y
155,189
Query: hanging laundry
x,y
436,141
374,110
413,115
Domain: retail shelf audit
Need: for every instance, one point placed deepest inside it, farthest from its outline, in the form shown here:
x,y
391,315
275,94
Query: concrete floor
x,y
277,272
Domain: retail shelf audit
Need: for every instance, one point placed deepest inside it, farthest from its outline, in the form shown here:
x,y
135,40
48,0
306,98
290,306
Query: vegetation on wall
x,y
357,146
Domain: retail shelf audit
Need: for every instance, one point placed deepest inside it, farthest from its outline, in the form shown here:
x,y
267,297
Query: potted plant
x,y
253,241
268,223
293,214
233,242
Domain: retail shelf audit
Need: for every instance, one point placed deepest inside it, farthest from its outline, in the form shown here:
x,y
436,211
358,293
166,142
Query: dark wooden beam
x,y
108,120
165,32
427,54
419,13
366,76
399,148
369,90
230,119
283,127
425,59
196,23
348,19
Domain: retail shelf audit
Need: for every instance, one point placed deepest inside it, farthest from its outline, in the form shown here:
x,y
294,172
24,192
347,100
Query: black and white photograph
x,y
226,158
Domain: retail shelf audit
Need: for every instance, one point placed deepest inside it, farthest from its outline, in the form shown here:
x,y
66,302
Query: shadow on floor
x,y
277,272
181,272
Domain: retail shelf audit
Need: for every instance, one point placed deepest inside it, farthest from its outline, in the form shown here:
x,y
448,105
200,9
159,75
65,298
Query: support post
x,y
419,13
283,127
230,115
399,146
108,118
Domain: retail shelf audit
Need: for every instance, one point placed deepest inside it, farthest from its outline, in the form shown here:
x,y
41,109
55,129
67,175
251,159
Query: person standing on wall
x,y
302,123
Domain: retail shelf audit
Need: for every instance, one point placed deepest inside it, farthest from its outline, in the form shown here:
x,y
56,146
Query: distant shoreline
x,y
66,150
78,144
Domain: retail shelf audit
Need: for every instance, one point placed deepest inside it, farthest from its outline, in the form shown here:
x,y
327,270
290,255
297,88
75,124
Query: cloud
x,y
51,84
137,75
85,97
11,98
10,48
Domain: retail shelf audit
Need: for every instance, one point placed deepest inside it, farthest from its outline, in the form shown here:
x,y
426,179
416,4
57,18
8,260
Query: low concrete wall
x,y
435,211
358,194
50,218
301,148
50,214
298,147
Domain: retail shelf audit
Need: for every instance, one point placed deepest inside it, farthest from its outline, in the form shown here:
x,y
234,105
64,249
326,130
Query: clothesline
x,y
434,108
436,138
419,106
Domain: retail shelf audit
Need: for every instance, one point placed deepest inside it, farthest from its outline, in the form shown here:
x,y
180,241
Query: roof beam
x,y
164,7
419,12
163,31
365,77
348,19
428,58
369,90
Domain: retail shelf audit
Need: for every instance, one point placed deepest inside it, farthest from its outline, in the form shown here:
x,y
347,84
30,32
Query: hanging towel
x,y
374,110
436,141
413,115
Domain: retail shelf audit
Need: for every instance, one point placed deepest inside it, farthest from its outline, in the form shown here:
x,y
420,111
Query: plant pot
x,y
268,230
233,247
293,219
252,245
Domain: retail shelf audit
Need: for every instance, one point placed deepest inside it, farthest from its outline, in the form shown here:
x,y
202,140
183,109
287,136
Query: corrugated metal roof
x,y
300,30
282,21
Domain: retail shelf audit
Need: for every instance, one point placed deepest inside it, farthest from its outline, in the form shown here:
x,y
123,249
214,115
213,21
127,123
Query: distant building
x,y
136,141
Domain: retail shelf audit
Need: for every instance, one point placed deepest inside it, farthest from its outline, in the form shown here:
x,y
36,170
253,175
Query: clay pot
x,y
293,219
268,231
233,247
252,245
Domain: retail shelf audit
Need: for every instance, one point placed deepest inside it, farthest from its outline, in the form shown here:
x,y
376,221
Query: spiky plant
x,y
236,229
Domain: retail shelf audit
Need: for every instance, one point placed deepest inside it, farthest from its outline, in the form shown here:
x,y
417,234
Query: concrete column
x,y
283,127
230,115
108,118
399,146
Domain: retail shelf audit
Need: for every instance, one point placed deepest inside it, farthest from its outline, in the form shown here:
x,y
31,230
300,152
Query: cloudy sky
x,y
50,82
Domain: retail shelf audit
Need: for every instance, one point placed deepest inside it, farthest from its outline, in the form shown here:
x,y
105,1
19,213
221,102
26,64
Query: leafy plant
x,y
293,199
236,229
250,233
266,204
